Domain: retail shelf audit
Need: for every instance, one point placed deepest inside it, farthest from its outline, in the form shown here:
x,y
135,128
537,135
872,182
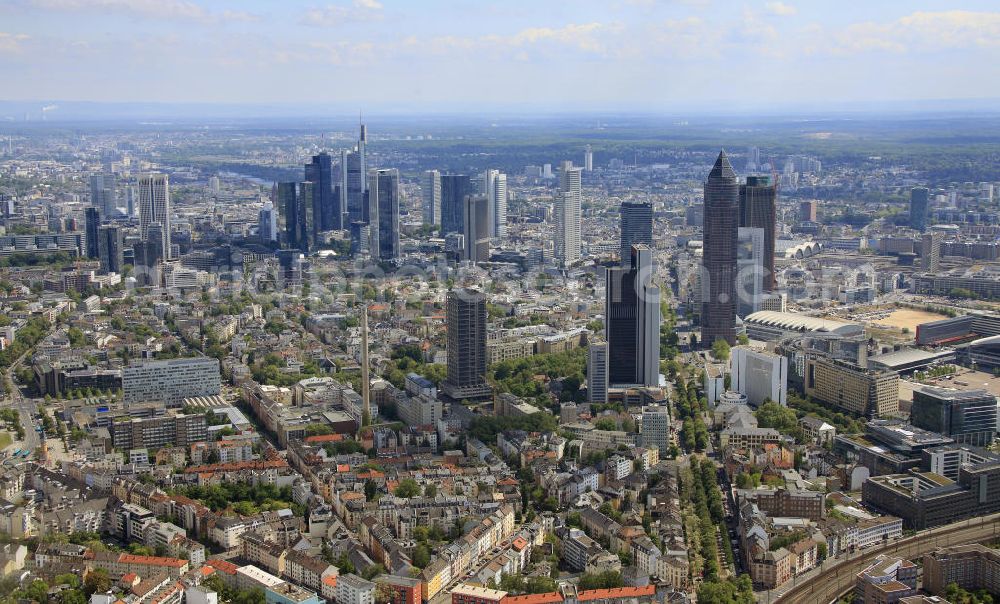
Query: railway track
x,y
833,580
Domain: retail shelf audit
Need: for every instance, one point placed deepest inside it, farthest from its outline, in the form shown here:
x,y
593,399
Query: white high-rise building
x,y
760,375
749,270
171,380
597,372
588,159
986,192
567,212
267,224
431,190
656,428
154,206
494,187
103,193
753,160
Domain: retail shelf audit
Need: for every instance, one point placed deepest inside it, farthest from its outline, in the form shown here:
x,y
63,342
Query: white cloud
x,y
596,39
920,31
780,9
685,37
181,10
11,42
585,37
333,15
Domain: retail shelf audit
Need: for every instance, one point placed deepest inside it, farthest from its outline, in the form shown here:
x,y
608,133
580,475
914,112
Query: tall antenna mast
x,y
365,384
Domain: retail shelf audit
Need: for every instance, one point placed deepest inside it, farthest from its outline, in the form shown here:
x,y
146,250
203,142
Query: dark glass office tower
x,y
288,205
355,185
111,249
295,203
466,346
919,197
92,222
454,188
968,416
636,228
326,203
307,220
758,199
383,187
721,227
632,321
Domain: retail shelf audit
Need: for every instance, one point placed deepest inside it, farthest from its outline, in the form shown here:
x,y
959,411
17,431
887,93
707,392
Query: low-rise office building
x,y
172,380
886,581
972,567
867,392
926,499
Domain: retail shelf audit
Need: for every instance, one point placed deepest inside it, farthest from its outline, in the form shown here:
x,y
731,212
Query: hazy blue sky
x,y
627,54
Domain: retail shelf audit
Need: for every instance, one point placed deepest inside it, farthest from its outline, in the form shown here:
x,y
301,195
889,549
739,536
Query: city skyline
x,y
469,302
777,53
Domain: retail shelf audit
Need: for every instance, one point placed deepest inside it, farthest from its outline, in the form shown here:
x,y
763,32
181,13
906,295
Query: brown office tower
x,y
721,225
466,377
807,211
758,200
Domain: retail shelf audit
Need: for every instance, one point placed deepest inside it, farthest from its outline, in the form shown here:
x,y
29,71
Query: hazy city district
x,y
566,360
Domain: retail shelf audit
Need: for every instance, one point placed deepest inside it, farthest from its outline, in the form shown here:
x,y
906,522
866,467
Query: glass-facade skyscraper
x,y
632,321
722,204
636,226
454,188
758,210
92,222
383,191
326,199
154,207
919,197
295,203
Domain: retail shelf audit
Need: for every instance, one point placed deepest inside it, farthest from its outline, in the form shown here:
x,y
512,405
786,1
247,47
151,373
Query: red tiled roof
x,y
620,592
330,580
546,598
152,560
325,438
235,466
223,566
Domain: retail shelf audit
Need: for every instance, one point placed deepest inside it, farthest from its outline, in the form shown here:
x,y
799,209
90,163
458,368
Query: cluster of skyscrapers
x,y
738,248
350,196
333,197
106,242
630,356
470,212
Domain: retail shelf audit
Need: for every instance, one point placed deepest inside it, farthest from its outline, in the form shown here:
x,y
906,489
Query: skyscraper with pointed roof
x,y
354,184
721,226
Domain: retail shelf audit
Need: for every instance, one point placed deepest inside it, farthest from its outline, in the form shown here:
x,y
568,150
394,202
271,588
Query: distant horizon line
x,y
49,110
